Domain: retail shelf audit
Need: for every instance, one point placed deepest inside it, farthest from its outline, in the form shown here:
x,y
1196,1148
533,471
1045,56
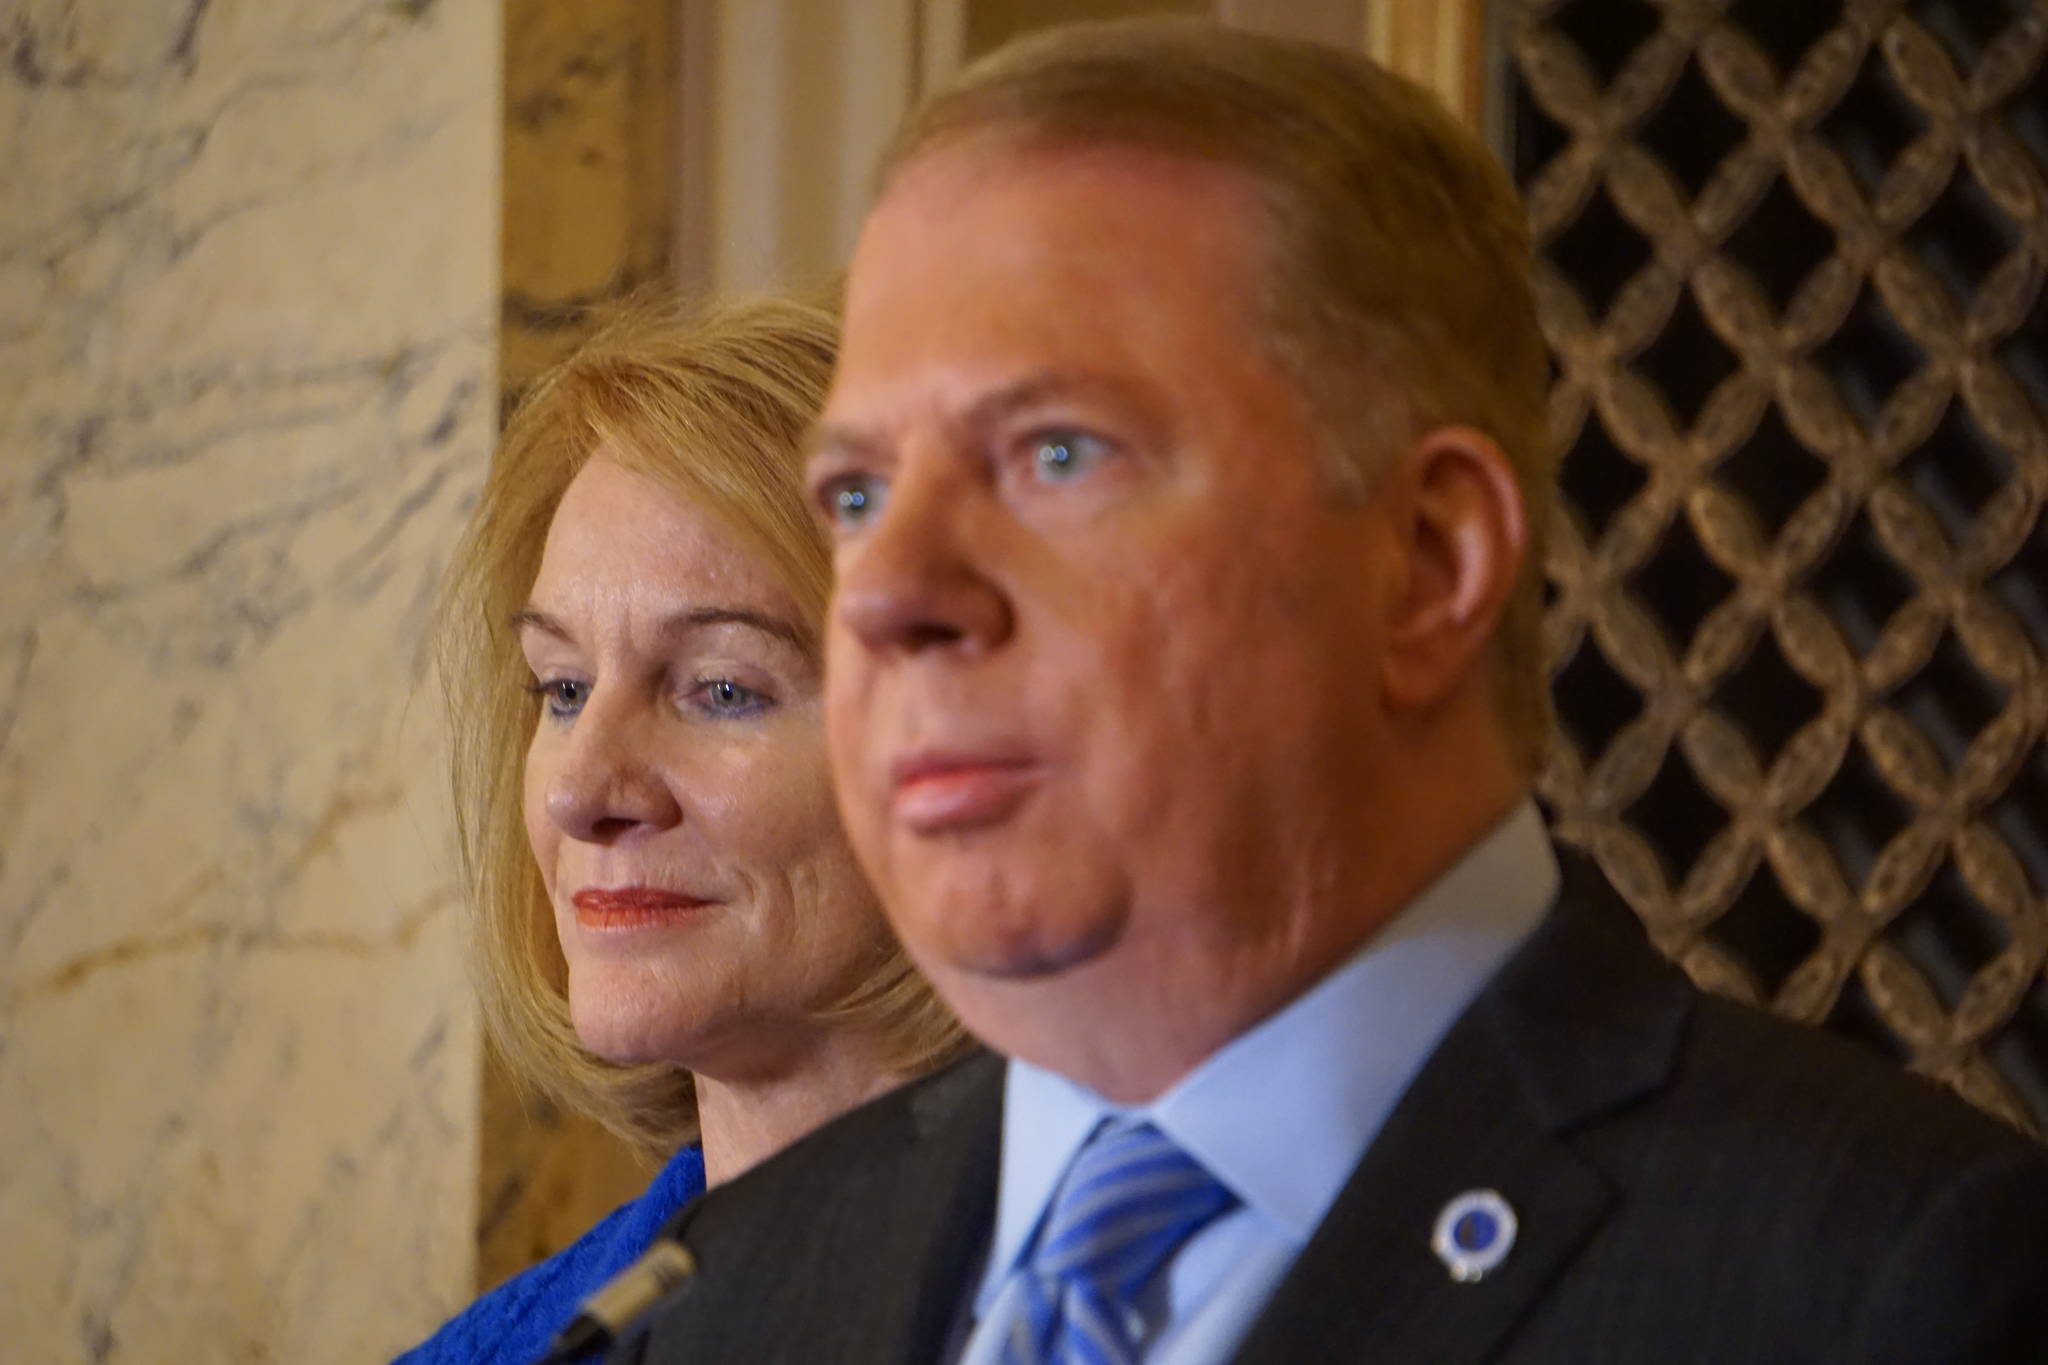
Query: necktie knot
x,y
1130,1201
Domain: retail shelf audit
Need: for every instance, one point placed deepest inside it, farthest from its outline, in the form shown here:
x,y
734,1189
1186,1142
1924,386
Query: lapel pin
x,y
1474,1233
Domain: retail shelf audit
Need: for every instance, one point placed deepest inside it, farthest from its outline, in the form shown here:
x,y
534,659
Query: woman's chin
x,y
624,1045
629,1031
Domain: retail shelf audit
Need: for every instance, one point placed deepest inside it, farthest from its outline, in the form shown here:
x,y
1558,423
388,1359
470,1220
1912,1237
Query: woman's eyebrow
x,y
697,617
530,617
676,623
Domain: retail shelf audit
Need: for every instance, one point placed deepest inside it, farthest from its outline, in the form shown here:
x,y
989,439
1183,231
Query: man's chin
x,y
1024,952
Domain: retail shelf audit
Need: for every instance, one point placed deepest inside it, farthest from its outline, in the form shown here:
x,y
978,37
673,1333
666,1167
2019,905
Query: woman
x,y
671,931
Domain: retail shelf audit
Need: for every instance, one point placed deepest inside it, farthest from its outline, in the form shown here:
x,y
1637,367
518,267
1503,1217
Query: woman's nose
x,y
608,782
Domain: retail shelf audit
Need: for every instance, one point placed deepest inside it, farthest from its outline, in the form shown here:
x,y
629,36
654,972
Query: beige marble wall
x,y
247,382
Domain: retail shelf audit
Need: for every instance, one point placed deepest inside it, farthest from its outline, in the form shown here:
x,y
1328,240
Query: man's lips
x,y
935,793
631,907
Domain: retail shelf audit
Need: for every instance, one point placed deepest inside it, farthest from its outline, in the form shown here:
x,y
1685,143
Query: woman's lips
x,y
948,793
632,907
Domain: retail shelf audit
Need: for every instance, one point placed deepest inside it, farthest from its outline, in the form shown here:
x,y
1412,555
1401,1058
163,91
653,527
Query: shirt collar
x,y
1284,1112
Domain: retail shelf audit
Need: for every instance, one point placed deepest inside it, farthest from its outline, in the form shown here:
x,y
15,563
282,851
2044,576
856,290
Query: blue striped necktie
x,y
1130,1201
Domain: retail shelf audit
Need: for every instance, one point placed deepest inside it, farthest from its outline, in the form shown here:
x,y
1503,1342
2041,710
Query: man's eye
x,y
851,500
561,698
1058,456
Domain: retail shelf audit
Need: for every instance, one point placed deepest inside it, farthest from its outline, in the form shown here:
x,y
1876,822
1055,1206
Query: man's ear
x,y
1462,526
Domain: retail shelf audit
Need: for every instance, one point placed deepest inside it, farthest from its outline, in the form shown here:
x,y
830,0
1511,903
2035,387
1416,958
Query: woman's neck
x,y
747,1119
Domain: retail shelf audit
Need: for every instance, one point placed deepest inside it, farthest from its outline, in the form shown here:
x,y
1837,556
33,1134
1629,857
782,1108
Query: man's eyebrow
x,y
1038,387
533,618
837,442
843,441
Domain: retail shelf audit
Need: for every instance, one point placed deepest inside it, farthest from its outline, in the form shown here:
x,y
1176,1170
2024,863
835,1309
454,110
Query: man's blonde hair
x,y
1396,292
715,408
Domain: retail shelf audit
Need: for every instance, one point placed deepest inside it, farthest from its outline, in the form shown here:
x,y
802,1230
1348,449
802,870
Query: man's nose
x,y
607,786
917,579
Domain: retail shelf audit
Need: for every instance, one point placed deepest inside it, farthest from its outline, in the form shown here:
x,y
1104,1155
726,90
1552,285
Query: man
x,y
1186,463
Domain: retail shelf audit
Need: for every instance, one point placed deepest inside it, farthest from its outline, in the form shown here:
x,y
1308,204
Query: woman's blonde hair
x,y
715,407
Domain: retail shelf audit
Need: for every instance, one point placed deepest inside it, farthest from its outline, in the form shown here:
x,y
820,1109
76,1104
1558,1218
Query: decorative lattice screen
x,y
1793,281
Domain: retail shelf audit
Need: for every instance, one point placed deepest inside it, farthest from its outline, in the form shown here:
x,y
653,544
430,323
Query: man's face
x,y
1099,669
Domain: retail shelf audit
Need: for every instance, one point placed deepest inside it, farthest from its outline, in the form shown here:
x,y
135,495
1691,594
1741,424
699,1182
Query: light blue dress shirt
x,y
1282,1114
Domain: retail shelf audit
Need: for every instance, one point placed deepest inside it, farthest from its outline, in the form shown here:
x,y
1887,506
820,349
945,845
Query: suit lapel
x,y
948,1210
1583,1020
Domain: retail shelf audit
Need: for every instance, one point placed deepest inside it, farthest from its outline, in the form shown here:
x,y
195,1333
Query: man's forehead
x,y
1011,144
986,202
1071,231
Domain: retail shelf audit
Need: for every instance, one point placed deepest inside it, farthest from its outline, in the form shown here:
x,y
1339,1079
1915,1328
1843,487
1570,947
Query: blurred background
x,y
269,272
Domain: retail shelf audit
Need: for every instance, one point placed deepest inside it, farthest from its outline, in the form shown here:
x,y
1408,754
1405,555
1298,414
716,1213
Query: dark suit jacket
x,y
1696,1183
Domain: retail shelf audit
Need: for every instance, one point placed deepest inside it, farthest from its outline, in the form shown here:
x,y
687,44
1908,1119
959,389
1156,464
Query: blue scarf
x,y
513,1323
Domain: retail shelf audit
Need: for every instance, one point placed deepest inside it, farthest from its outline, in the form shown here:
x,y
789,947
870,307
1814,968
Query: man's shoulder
x,y
1739,1074
1683,1168
1787,1185
868,1146
1816,1091
859,1235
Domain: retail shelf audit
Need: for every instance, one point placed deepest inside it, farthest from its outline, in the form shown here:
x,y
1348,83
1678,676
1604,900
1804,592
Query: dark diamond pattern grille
x,y
1792,266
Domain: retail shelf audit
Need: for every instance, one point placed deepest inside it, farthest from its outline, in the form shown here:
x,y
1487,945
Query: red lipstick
x,y
632,907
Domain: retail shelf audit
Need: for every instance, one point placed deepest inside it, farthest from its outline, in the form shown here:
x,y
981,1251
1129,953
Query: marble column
x,y
247,387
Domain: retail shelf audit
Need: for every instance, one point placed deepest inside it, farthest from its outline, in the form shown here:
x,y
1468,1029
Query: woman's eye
x,y
851,500
1058,456
561,698
724,697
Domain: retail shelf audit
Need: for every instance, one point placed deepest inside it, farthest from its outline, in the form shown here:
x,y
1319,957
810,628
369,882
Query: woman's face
x,y
676,790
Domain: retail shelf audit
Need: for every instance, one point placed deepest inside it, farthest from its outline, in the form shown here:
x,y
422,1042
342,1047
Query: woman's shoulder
x,y
512,1323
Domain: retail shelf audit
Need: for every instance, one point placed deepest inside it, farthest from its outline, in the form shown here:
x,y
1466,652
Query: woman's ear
x,y
1463,532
